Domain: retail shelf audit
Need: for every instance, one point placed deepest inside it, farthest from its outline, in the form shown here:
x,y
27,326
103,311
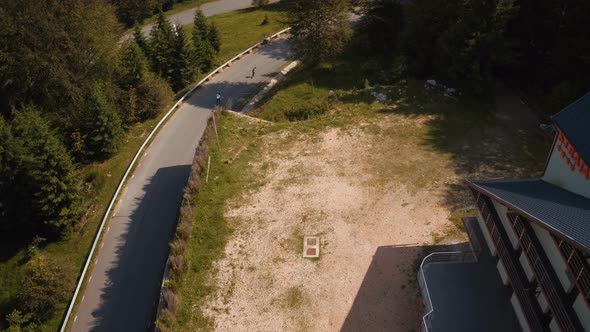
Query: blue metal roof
x,y
565,213
574,121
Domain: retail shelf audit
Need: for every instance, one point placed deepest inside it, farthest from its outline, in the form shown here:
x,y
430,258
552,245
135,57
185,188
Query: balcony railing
x,y
438,257
577,266
530,306
550,284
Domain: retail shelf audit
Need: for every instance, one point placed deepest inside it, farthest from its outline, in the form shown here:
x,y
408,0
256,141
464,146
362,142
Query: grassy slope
x,y
71,254
226,180
242,28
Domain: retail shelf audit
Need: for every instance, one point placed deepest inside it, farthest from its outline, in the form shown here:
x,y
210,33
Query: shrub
x,y
306,112
153,94
164,323
177,263
19,322
171,301
265,21
44,288
33,248
102,127
177,247
46,184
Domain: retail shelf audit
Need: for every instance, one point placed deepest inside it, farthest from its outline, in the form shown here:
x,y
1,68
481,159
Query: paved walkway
x,y
123,289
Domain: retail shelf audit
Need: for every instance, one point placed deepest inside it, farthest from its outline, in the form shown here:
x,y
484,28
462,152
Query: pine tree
x,y
139,38
204,49
132,11
200,24
214,38
320,28
9,153
102,128
46,181
182,71
134,64
19,322
161,46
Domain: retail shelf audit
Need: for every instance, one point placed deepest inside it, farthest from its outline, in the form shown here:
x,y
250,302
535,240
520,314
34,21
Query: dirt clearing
x,y
371,223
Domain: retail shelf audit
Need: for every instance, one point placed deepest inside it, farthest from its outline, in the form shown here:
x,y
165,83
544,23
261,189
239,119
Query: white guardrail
x,y
438,257
137,156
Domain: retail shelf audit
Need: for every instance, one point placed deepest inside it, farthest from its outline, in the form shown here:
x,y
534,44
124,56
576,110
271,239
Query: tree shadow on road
x,y
234,95
129,298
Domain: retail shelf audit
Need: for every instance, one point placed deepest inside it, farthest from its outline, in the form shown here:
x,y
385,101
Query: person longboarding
x,y
218,99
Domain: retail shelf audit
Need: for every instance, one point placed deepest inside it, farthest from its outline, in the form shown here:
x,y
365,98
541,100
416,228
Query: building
x,y
536,242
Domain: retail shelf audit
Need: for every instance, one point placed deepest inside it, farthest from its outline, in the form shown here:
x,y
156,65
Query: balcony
x,y
462,291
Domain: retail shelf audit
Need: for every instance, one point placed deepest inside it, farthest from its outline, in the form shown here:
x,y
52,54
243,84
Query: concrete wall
x,y
524,325
502,210
552,252
583,312
560,173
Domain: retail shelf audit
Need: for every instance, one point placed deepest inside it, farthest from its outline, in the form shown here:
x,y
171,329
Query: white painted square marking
x,y
311,246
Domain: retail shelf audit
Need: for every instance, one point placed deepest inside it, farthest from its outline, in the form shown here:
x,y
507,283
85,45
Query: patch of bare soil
x,y
344,186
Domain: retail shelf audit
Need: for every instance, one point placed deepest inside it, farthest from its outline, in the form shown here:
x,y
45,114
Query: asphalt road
x,y
209,9
123,288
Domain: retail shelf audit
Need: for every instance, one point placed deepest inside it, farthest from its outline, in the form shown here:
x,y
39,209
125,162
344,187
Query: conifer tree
x,y
214,38
8,166
102,127
161,46
139,38
321,28
134,64
46,183
181,73
204,49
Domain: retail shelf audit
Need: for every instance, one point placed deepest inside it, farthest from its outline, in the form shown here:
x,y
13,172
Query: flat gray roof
x,y
469,296
560,211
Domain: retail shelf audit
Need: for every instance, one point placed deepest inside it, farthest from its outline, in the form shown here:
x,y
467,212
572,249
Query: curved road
x,y
123,288
209,9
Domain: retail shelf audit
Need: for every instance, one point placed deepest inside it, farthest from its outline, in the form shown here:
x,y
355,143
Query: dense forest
x,y
539,46
69,91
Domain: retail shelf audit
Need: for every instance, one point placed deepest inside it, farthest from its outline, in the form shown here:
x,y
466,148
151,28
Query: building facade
x,y
538,230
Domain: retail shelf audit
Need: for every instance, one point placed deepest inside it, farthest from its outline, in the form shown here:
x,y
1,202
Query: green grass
x,y
70,254
227,179
241,29
177,8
